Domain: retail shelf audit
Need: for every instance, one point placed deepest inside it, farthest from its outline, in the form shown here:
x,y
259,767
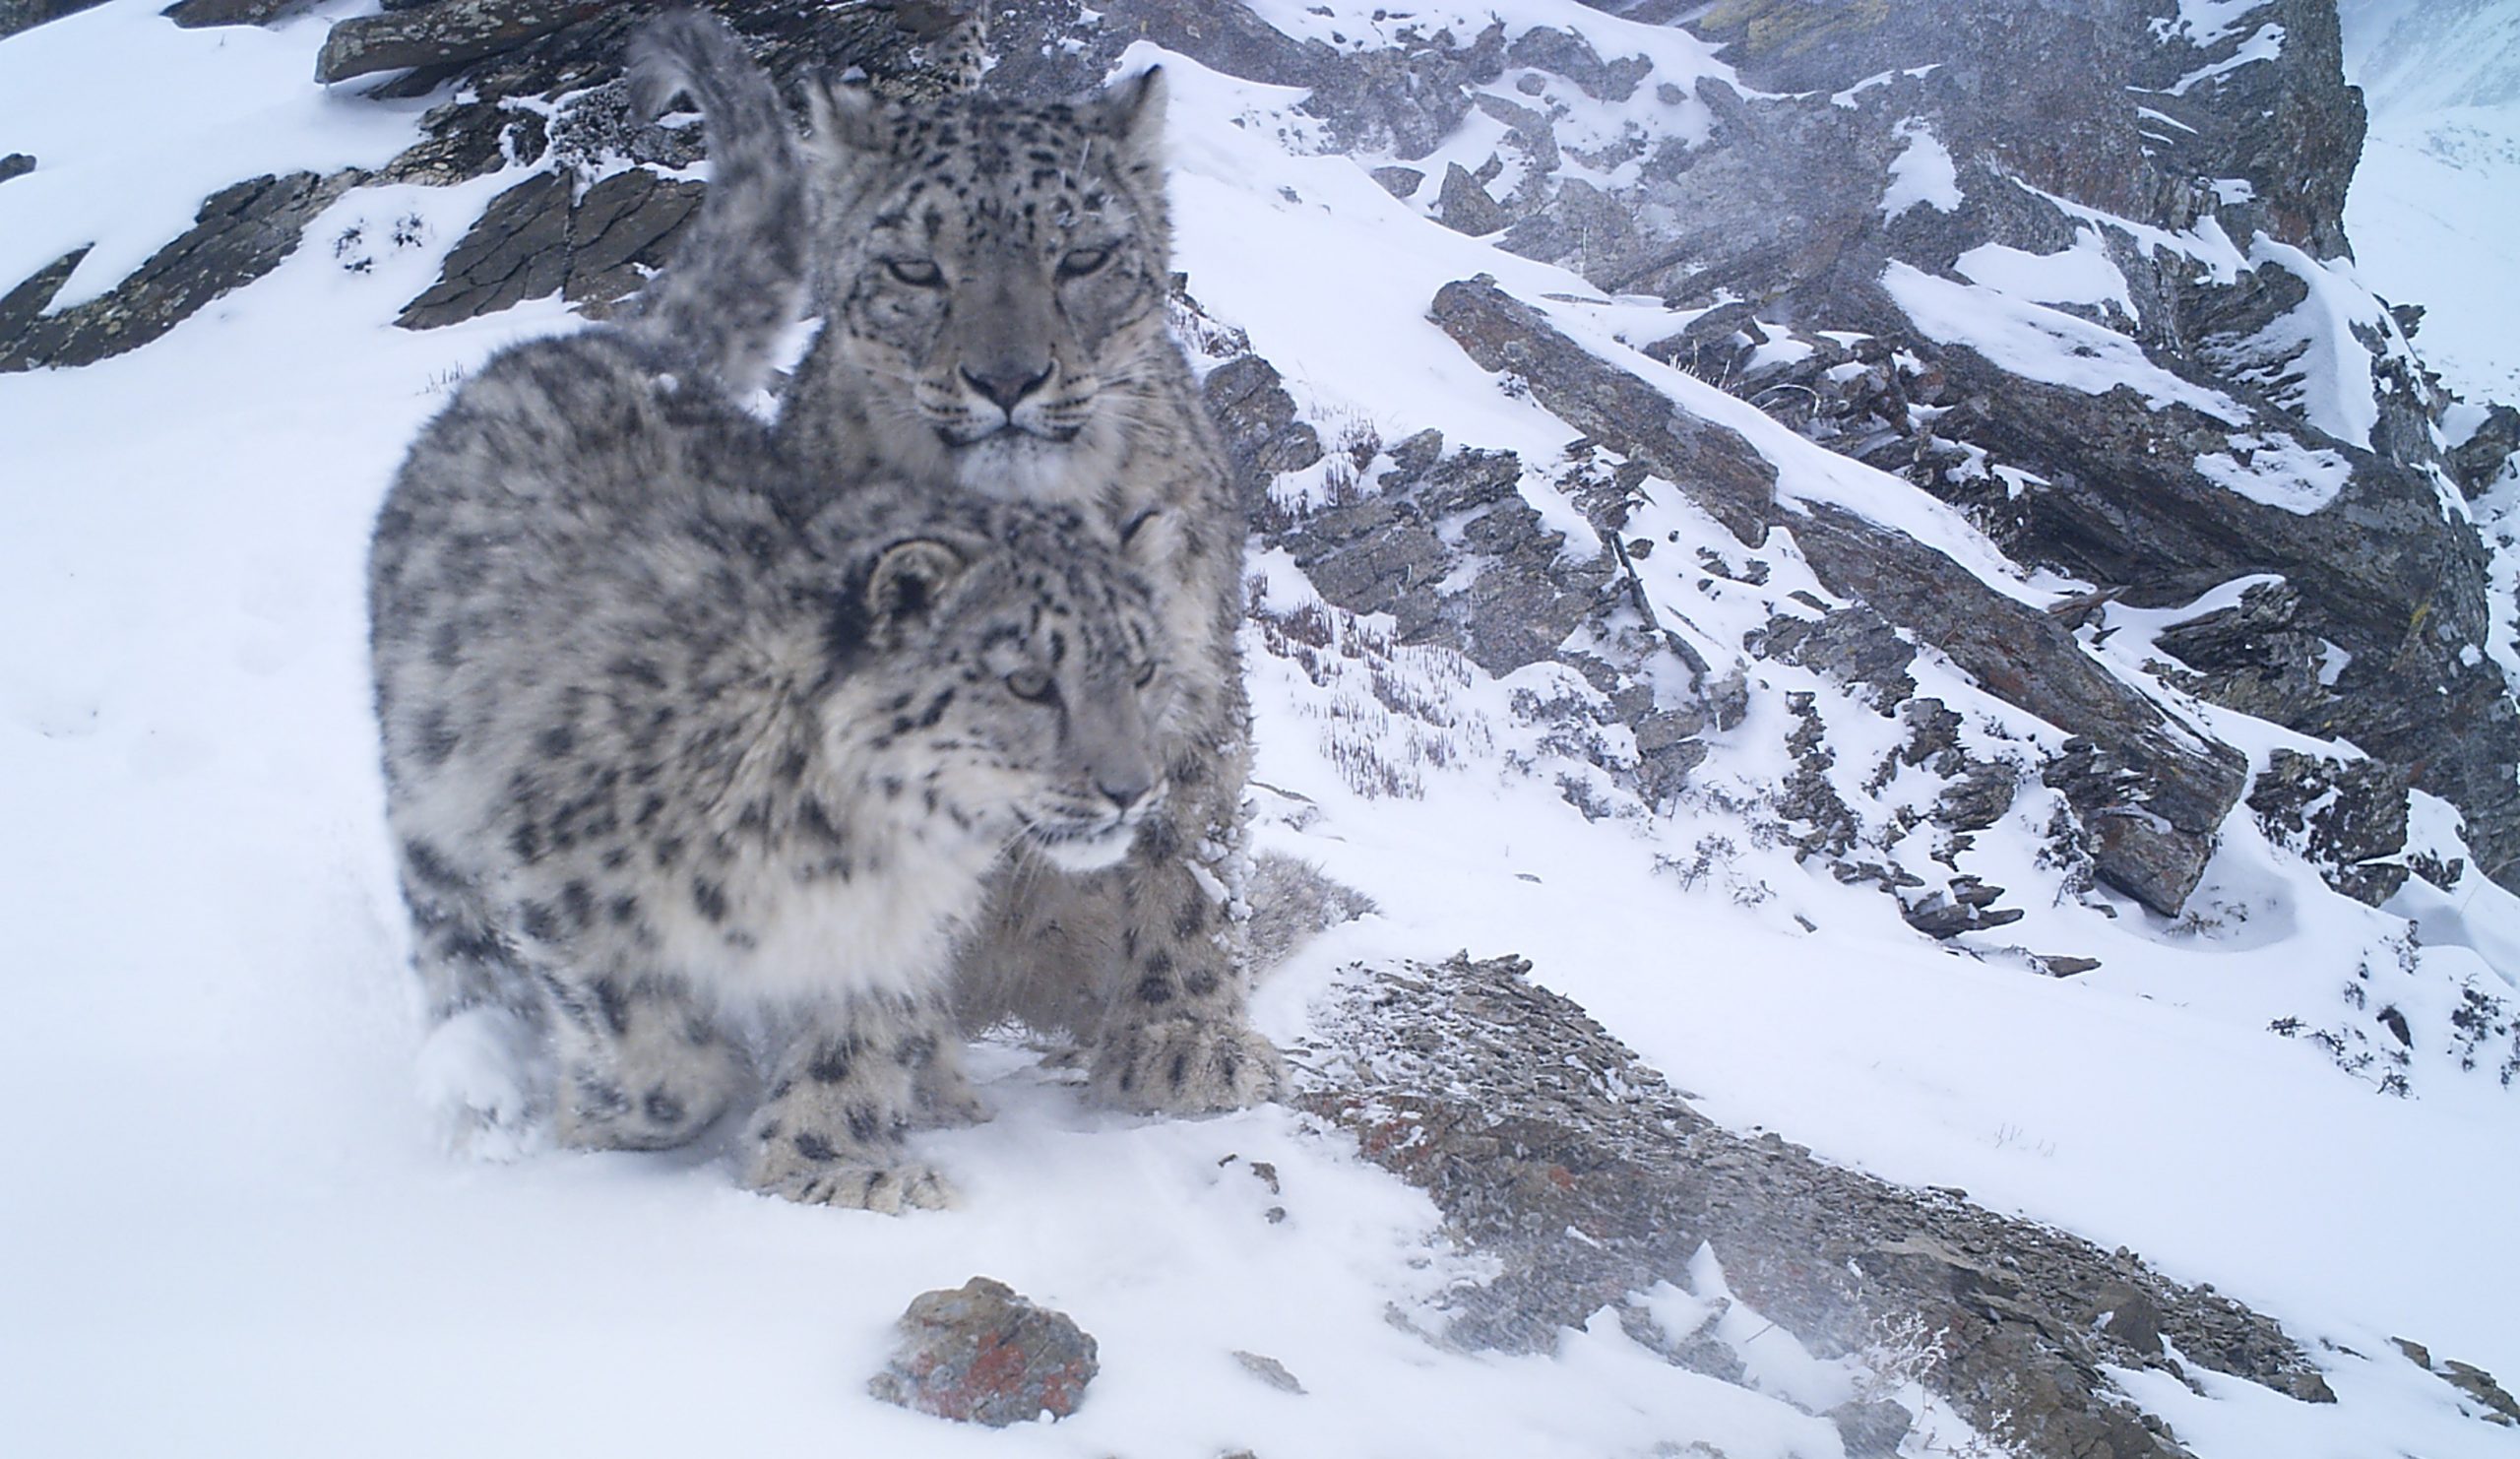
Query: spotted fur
x,y
681,743
993,275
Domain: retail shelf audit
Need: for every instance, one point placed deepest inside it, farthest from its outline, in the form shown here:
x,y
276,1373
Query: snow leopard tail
x,y
739,272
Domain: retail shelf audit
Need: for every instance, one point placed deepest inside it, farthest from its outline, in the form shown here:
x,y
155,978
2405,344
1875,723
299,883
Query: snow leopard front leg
x,y
1176,1036
858,1077
641,1065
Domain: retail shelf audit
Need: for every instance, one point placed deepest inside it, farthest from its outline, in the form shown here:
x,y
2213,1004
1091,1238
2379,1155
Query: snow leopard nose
x,y
1006,384
1123,788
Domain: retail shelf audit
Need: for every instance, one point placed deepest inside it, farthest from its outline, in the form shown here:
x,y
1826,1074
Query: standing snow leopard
x,y
683,745
993,276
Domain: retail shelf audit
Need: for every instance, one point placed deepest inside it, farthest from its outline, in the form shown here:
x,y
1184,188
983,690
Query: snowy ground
x,y
227,1227
2435,213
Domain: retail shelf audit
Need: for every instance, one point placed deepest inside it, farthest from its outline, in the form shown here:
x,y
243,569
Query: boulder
x,y
440,34
979,1354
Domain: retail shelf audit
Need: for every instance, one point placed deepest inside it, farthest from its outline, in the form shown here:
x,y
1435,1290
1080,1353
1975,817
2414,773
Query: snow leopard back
x,y
648,703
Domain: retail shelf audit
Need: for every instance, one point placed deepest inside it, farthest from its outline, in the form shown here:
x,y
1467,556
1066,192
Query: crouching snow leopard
x,y
993,277
686,751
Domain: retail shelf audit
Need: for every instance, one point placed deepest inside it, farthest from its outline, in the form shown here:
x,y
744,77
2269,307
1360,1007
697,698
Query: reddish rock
x,y
983,1355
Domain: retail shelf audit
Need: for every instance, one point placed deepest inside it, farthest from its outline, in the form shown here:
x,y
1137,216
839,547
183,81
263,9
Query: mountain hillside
x,y
1892,641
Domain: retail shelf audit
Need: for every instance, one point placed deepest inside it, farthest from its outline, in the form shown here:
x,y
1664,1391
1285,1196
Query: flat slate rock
x,y
440,34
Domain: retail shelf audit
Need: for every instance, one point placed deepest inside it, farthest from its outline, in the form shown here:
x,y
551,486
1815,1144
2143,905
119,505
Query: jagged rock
x,y
535,240
440,34
21,306
2468,1379
1383,555
2475,463
25,15
1465,207
1399,182
1408,97
1968,906
240,235
2348,819
1806,797
2151,792
1855,646
1257,419
1526,1121
1572,56
2477,1383
1709,463
2250,657
1977,793
620,224
983,1355
518,250
1938,917
195,13
16,164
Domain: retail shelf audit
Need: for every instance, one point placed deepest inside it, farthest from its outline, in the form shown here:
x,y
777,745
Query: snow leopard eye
x,y
1146,673
1029,683
1083,261
918,272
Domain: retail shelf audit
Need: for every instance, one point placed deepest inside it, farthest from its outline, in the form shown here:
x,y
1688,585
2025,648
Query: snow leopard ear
x,y
908,581
848,117
1131,110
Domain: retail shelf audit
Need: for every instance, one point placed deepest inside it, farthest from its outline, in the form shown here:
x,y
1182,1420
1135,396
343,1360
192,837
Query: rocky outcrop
x,y
2475,463
537,239
2151,790
2349,819
1711,463
240,233
445,34
1582,1178
196,13
25,15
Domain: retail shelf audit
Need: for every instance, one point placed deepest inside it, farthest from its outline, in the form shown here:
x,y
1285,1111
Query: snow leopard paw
x,y
484,1077
812,1171
1186,1067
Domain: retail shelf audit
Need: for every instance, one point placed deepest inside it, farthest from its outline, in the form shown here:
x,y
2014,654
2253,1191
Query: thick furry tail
x,y
739,274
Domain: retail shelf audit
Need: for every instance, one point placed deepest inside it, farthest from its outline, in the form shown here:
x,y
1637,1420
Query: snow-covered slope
x,y
2435,206
227,1229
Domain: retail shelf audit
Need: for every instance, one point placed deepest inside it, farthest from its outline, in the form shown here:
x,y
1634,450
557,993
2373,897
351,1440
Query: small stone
x,y
1267,1370
981,1354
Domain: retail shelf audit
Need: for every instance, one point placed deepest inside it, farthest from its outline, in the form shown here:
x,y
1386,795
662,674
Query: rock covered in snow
x,y
1586,1179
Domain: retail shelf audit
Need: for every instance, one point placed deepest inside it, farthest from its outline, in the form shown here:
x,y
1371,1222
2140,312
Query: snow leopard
x,y
697,763
994,279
